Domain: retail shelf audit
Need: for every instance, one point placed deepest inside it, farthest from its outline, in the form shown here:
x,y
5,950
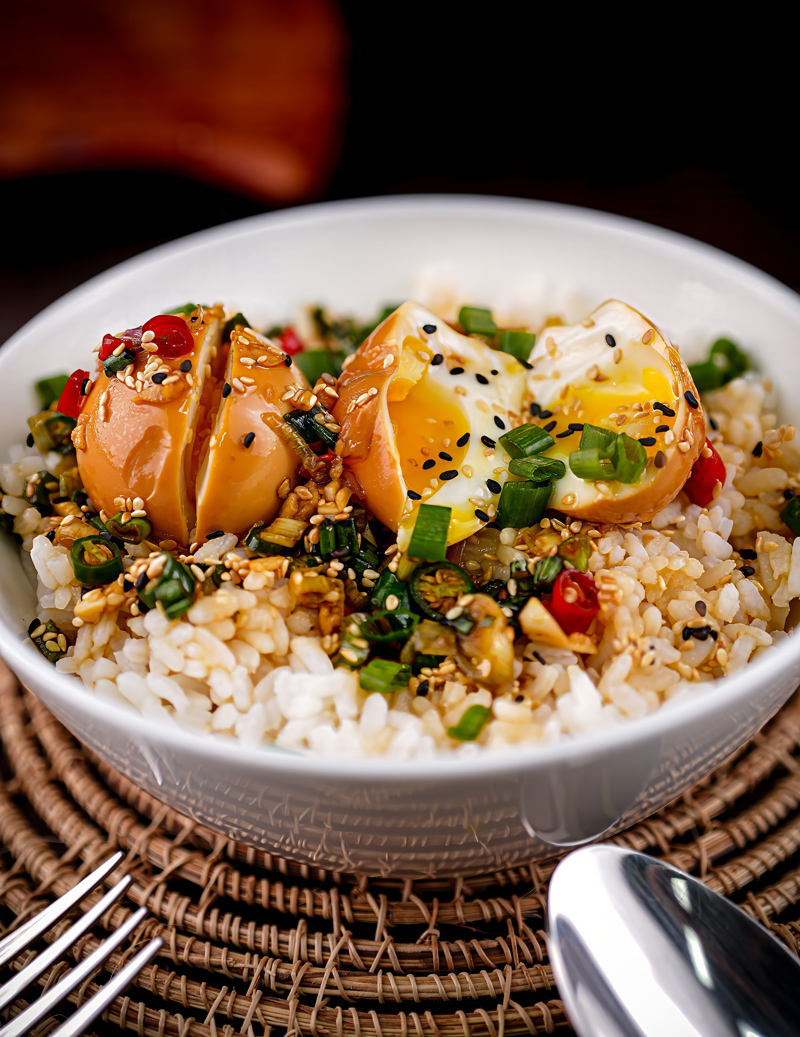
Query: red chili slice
x,y
131,339
289,341
706,473
170,334
72,399
574,601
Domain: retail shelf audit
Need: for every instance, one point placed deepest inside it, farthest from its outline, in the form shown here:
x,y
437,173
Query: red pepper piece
x,y
131,339
72,399
706,473
574,601
171,335
289,341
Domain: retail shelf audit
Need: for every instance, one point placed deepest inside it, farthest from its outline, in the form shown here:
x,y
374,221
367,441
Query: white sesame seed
x,y
148,336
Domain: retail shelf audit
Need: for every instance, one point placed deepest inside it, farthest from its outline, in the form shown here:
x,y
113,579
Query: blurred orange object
x,y
246,93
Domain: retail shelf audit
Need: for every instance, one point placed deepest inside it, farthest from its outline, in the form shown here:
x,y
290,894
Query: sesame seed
x,y
647,440
493,485
392,602
747,570
464,440
247,381
215,534
713,423
660,459
456,370
748,553
611,341
662,428
159,377
576,426
479,514
148,336
545,414
186,366
444,456
499,422
248,439
414,496
141,580
691,399
430,463
488,442
758,449
669,437
429,329
288,361
565,433
550,426
668,412
437,359
617,355
535,410
482,379
647,338
684,448
700,607
450,474
466,470
238,384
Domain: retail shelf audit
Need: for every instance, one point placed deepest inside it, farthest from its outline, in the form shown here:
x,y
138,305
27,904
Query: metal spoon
x,y
640,949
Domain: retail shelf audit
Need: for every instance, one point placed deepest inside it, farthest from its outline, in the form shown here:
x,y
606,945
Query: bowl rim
x,y
266,758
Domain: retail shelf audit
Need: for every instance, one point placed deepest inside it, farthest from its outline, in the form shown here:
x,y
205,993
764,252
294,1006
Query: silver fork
x,y
17,941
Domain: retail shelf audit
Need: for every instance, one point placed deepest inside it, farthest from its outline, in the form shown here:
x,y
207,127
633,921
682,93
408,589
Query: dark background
x,y
675,124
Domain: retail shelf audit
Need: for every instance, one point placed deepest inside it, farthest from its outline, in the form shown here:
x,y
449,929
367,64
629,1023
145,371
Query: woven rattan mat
x,y
257,945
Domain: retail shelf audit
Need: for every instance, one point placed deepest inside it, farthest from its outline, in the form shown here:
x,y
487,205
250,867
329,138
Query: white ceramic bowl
x,y
447,816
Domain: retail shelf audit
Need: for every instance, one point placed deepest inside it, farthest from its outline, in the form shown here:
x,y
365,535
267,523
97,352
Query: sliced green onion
x,y
526,441
387,585
52,431
237,320
69,482
546,570
726,362
477,321
47,640
538,469
388,625
367,558
576,550
186,310
706,376
354,650
134,531
316,362
790,515
472,722
327,538
384,676
522,504
42,489
592,463
113,363
95,560
518,344
314,425
174,588
50,389
347,534
213,579
596,437
426,662
437,583
629,458
429,538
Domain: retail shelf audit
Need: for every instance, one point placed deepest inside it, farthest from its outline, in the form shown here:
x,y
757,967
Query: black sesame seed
x,y
288,361
127,585
493,371
747,570
414,496
493,485
451,473
423,688
550,426
456,370
499,422
464,440
691,399
539,658
430,463
565,433
488,442
758,449
686,633
86,385
437,359
186,366
526,365
701,633
51,535
248,440
536,410
159,378
576,426
660,459
141,580
482,379
662,428
226,390
481,515
444,456
519,698
647,440
788,494
700,608
215,534
545,414
429,328
29,440
713,423
714,635
194,319
611,341
668,412
34,623
748,553
340,552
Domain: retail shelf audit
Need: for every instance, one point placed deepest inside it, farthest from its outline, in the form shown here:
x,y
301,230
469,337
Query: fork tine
x,y
78,1023
11,945
11,990
40,1009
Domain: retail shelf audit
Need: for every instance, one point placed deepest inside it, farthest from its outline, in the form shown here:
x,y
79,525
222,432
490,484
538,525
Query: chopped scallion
x,y
518,344
726,362
316,362
538,469
629,459
595,437
388,625
50,389
472,722
477,321
522,504
385,676
790,515
429,538
423,661
546,570
576,550
526,441
591,463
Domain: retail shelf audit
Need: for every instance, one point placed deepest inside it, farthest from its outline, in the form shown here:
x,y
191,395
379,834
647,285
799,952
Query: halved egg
x,y
616,370
176,433
421,408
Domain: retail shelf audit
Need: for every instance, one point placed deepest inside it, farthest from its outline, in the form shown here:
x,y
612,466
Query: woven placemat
x,y
257,945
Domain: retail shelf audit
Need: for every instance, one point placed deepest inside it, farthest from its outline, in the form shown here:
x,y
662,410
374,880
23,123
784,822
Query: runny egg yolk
x,y
426,426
